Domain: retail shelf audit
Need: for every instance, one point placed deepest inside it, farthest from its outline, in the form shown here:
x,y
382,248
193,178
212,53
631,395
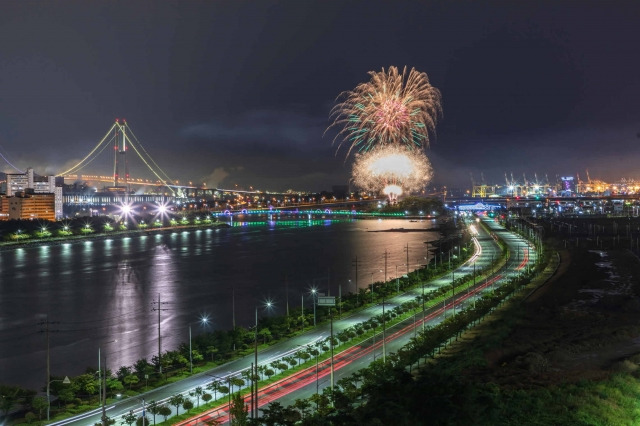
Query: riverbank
x,y
10,245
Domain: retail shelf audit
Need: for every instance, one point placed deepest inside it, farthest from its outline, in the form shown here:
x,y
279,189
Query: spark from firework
x,y
392,170
392,108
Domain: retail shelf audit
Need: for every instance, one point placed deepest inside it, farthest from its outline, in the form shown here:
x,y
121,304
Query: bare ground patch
x,y
584,323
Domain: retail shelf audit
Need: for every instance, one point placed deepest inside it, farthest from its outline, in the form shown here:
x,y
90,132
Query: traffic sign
x,y
327,301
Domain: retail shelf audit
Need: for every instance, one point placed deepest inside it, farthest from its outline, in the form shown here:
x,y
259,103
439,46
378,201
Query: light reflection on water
x,y
104,290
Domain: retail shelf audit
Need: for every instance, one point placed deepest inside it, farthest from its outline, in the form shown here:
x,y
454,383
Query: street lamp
x,y
103,383
203,320
397,281
66,381
314,295
372,287
254,407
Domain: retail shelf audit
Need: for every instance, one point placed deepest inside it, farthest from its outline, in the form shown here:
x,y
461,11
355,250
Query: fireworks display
x,y
392,170
392,108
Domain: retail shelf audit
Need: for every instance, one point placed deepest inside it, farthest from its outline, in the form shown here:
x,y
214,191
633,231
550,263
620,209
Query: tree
x,y
275,414
291,360
223,389
107,421
154,409
212,350
187,405
142,367
303,406
304,355
129,418
214,387
236,381
198,392
176,400
164,411
142,421
39,404
85,384
275,364
238,412
123,372
130,380
114,385
29,417
246,375
196,356
265,335
269,372
206,397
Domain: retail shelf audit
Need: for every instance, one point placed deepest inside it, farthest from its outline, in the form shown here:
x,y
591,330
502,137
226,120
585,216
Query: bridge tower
x,y
120,166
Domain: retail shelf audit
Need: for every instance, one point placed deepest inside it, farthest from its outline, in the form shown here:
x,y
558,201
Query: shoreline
x,y
35,242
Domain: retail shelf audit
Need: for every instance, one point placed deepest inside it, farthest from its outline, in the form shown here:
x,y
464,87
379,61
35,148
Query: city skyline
x,y
231,93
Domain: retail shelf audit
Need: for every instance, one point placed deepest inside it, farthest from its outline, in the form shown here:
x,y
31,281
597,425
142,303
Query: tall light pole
x,y
254,374
453,291
372,287
203,320
384,328
314,293
103,382
66,381
398,280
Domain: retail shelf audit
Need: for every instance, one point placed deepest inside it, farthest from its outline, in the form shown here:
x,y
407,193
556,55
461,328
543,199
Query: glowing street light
x,y
203,320
268,304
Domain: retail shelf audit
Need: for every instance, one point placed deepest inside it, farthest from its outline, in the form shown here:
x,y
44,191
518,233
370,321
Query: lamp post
x,y
384,328
66,381
453,291
254,374
372,287
103,382
397,281
203,320
314,293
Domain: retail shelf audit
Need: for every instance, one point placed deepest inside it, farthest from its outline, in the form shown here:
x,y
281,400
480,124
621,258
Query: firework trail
x,y
392,170
392,108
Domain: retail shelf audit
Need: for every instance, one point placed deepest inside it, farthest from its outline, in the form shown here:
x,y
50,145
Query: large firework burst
x,y
391,170
392,108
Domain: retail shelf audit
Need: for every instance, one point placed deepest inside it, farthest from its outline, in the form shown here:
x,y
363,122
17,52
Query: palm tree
x,y
235,381
261,370
246,375
176,400
154,409
214,387
198,392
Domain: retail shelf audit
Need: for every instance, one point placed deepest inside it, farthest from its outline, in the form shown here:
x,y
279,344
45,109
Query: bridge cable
x,y
9,162
78,165
147,163
145,151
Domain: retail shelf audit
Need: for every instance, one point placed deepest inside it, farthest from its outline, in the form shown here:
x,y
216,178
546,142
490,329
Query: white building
x,y
19,182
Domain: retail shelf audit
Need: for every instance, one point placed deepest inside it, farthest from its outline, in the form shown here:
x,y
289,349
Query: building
x,y
23,182
30,205
18,182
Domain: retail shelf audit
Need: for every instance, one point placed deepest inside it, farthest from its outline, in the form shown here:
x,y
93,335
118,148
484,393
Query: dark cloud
x,y
240,92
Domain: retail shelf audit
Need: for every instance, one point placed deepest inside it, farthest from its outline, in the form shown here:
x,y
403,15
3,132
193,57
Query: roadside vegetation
x,y
220,346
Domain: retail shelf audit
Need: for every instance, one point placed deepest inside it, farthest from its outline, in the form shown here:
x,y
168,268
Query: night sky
x,y
239,92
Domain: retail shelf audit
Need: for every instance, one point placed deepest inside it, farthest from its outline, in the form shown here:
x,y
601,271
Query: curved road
x,y
346,362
